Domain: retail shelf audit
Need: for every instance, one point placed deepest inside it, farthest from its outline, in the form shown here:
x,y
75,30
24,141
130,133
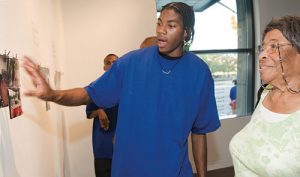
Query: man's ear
x,y
185,35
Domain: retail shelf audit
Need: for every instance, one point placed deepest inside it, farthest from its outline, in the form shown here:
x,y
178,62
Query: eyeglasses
x,y
272,47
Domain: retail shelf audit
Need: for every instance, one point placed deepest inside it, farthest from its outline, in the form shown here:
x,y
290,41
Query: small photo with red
x,y
15,105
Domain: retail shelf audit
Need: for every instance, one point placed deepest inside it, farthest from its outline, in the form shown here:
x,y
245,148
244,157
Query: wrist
x,y
52,96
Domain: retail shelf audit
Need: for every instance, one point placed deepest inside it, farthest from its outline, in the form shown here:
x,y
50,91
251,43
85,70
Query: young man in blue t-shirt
x,y
104,126
163,92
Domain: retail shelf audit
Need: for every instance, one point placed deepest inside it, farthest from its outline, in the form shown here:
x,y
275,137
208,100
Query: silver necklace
x,y
170,70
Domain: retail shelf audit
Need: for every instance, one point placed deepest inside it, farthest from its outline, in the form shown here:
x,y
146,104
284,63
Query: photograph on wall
x,y
4,102
13,73
57,80
45,73
15,106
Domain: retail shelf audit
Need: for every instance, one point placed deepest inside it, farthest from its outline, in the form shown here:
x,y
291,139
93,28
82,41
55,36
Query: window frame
x,y
246,11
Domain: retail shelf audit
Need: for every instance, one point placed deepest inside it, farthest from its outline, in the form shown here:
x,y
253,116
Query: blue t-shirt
x,y
157,111
233,93
102,139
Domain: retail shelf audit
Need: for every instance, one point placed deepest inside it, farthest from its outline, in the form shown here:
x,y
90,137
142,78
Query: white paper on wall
x,y
7,169
46,74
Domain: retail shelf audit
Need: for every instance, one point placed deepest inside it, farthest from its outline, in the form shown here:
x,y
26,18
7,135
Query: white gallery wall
x,y
93,29
31,144
73,37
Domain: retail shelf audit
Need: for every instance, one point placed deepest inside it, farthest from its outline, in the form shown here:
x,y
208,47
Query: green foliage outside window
x,y
222,66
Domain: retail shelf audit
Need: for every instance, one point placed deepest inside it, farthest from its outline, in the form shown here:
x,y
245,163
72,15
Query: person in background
x,y
104,125
164,93
269,144
149,41
232,96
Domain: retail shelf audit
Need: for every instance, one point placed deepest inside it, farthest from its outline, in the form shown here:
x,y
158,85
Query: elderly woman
x,y
269,146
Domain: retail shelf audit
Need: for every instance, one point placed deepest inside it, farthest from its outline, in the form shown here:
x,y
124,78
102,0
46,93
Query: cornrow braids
x,y
188,17
289,26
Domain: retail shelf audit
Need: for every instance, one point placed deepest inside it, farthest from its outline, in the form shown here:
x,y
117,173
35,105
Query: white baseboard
x,y
219,164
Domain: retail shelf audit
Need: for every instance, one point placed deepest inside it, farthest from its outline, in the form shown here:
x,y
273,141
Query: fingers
x,y
32,71
42,88
104,123
29,93
31,68
29,62
103,119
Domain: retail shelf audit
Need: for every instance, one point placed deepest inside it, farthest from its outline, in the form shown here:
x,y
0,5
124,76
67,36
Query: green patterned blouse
x,y
268,146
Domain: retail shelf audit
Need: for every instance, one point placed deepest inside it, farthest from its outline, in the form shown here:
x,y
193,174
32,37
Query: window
x,y
224,38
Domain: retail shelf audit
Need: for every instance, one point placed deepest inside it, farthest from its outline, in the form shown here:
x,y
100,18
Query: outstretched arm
x,y
200,153
71,97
